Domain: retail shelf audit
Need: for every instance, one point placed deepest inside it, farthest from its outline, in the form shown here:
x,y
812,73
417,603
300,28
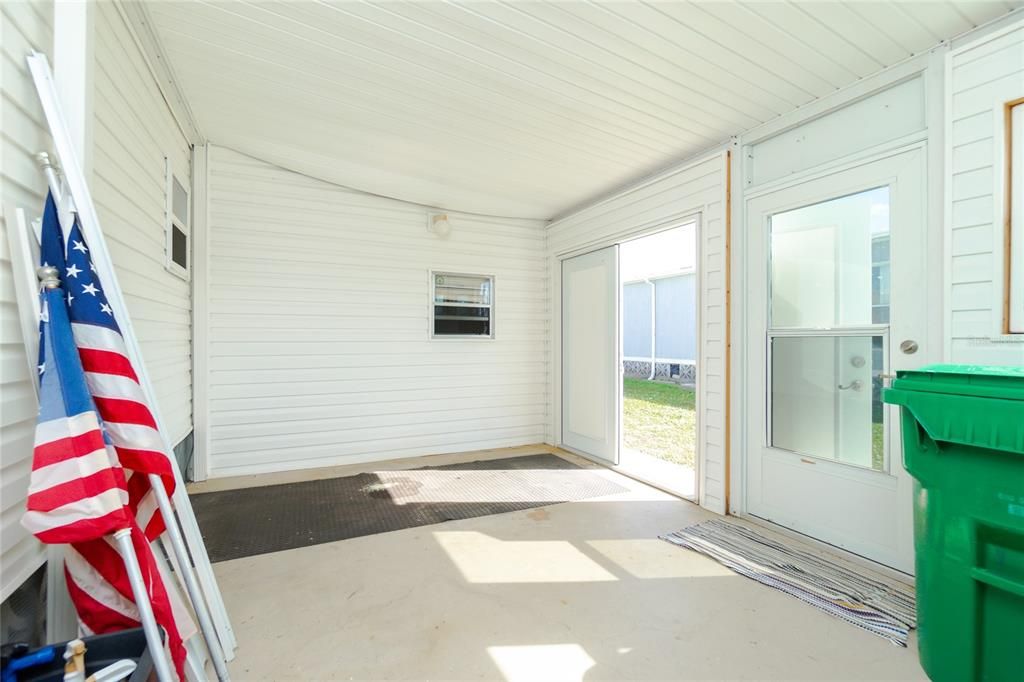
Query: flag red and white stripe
x,y
74,491
130,424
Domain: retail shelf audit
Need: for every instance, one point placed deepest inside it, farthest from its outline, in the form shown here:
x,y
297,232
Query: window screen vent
x,y
462,305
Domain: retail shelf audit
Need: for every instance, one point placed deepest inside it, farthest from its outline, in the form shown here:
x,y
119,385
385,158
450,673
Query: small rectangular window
x,y
462,305
177,223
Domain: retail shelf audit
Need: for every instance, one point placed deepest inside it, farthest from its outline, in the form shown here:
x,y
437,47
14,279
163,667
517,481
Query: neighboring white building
x,y
660,270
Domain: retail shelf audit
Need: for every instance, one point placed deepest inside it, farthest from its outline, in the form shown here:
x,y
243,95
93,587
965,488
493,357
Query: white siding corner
x,y
134,131
24,26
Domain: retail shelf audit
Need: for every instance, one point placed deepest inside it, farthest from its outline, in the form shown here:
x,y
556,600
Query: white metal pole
x,y
154,640
51,176
80,194
191,586
654,322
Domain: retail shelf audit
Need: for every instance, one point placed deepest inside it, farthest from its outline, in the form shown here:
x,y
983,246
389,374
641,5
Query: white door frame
x,y
883,537
741,339
694,216
929,65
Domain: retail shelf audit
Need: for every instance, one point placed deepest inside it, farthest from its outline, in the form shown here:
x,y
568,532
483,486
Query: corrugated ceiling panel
x,y
523,109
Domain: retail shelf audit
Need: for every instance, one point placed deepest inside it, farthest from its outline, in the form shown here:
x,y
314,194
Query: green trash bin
x,y
963,442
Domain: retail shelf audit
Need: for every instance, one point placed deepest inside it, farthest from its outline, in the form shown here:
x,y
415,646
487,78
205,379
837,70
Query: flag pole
x,y
191,586
154,640
79,191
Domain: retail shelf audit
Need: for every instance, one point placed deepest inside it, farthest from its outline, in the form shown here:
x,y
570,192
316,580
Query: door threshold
x,y
636,476
617,468
655,472
819,545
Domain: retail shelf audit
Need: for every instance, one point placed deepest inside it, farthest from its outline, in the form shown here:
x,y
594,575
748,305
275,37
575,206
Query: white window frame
x,y
171,222
433,305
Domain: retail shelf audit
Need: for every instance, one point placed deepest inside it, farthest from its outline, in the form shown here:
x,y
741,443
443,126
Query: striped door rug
x,y
868,603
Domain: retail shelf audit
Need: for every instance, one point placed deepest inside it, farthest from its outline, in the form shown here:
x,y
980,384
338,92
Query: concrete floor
x,y
575,591
677,479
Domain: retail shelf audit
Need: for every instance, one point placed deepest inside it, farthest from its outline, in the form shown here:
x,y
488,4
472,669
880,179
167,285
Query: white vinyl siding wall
x,y
23,133
983,75
698,187
133,131
319,341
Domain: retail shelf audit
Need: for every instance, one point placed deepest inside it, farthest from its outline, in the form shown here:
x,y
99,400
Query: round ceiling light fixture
x,y
440,225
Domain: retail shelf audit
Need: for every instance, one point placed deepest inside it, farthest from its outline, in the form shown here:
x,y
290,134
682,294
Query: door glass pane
x,y
826,398
830,263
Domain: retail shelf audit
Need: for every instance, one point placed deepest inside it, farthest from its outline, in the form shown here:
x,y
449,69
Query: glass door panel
x,y
826,399
829,262
827,328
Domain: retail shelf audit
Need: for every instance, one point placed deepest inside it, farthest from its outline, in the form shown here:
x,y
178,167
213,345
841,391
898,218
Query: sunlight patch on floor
x,y
468,486
651,558
541,662
483,559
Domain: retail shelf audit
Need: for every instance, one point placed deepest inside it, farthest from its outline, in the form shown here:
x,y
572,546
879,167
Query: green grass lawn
x,y
659,419
877,446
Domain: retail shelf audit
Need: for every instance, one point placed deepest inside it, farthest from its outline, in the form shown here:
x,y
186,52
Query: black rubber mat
x,y
250,521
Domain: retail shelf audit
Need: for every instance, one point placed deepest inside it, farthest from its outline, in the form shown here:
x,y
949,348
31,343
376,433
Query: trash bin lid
x,y
976,380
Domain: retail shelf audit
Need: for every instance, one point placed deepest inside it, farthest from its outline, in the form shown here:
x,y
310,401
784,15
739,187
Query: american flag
x,y
111,378
93,421
75,492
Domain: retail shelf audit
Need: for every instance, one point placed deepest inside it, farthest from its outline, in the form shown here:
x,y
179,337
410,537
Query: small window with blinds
x,y
178,232
462,306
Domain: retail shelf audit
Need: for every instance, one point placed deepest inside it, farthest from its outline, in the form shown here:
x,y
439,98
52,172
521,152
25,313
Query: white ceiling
x,y
520,108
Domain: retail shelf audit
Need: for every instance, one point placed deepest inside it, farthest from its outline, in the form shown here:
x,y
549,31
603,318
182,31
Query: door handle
x,y
855,385
909,347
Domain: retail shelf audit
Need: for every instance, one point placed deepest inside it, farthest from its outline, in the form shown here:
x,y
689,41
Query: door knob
x,y
909,346
856,385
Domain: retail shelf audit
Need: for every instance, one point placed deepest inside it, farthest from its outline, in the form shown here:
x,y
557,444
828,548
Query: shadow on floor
x,y
252,521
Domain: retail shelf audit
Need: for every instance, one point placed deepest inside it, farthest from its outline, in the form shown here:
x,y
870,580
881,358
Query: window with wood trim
x,y
1013,313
